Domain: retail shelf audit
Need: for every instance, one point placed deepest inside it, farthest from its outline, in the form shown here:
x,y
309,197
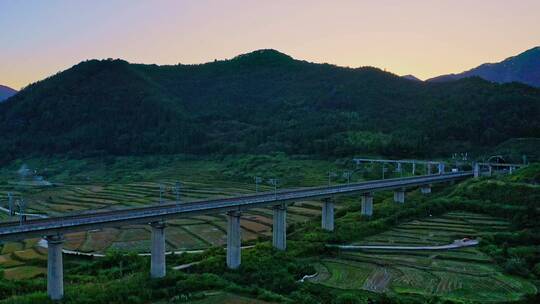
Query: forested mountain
x,y
411,77
259,102
6,92
524,68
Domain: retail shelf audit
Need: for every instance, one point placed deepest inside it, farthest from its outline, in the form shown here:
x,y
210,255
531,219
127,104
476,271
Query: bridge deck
x,y
94,220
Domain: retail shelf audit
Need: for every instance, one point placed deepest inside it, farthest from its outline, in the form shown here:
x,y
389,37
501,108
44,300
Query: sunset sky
x,y
424,38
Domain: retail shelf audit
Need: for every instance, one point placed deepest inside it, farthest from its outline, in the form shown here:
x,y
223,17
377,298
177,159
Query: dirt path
x,y
185,266
456,244
6,210
43,243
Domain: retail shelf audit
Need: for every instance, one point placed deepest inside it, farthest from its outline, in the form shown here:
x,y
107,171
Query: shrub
x,y
347,298
516,266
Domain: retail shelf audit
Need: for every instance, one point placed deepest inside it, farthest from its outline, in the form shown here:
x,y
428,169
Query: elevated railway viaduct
x,y
53,229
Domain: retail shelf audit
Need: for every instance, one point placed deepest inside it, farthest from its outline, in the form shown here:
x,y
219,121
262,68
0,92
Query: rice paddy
x,y
111,188
457,274
219,297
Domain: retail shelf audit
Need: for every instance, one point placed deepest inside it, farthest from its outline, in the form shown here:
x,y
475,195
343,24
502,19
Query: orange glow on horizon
x,y
420,37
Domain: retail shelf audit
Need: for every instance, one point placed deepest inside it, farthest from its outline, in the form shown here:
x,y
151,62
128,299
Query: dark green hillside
x,y
95,106
514,149
259,102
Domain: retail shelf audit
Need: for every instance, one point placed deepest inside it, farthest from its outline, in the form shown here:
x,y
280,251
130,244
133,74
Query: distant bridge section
x,y
399,162
510,168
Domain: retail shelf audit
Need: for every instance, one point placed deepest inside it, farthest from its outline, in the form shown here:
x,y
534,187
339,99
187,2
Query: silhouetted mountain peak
x,y
411,77
524,68
6,92
263,57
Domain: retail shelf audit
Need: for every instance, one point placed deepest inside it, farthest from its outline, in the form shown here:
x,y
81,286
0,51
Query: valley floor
x,y
266,276
456,274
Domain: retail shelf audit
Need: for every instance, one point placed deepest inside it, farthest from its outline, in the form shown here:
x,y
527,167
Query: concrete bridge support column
x,y
367,204
399,195
55,271
476,170
441,168
413,168
428,168
327,218
234,239
279,227
157,259
425,189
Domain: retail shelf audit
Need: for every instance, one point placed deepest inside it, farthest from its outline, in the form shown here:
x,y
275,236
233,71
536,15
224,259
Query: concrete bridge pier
x,y
399,195
157,259
55,268
413,168
279,227
367,204
441,168
476,170
327,218
425,189
234,239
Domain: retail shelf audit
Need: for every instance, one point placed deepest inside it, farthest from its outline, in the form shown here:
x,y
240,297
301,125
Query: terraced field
x,y
219,297
452,274
199,180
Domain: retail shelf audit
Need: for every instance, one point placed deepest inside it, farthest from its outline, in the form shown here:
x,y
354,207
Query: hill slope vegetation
x,y
259,102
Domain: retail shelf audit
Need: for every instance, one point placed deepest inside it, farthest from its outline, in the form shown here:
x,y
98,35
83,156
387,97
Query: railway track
x,y
97,219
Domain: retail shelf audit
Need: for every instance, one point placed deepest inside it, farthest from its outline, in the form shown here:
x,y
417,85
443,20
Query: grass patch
x,y
24,272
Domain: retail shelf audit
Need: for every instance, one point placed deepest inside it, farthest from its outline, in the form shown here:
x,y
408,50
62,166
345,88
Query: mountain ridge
x,y
524,68
260,102
6,92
